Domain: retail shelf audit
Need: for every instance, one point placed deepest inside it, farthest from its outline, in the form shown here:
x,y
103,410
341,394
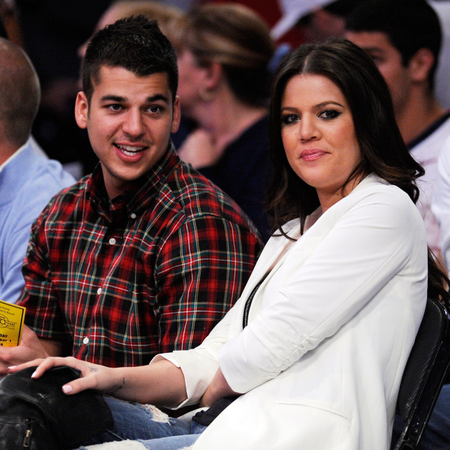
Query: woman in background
x,y
153,9
224,56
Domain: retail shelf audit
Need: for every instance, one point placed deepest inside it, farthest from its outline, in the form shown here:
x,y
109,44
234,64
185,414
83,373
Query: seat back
x,y
424,374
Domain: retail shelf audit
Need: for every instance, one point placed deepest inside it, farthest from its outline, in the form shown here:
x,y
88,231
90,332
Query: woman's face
x,y
191,78
319,136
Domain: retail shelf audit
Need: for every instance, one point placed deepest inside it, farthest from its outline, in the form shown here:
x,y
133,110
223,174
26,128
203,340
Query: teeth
x,y
129,150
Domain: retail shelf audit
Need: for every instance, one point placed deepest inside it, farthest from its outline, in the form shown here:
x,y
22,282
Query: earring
x,y
206,95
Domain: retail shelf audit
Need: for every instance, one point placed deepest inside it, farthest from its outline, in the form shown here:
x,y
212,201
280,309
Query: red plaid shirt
x,y
151,271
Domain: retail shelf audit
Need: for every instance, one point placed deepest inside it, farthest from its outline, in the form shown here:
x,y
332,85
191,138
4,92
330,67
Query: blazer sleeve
x,y
365,248
200,364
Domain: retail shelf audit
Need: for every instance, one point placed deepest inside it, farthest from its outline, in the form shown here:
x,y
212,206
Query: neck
x,y
6,152
421,111
225,118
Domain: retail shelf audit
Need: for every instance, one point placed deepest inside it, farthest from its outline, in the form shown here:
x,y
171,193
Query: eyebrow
x,y
120,99
319,105
329,102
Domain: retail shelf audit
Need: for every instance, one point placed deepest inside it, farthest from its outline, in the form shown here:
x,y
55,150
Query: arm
x,y
16,241
200,272
38,295
28,203
160,383
218,388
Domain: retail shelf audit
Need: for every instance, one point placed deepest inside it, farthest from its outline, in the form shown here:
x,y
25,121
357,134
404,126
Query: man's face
x,y
388,60
129,121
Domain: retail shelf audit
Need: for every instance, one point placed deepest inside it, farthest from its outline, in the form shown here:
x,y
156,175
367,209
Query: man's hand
x,y
30,348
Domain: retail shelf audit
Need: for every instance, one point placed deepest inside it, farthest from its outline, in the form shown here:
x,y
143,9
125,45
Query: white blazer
x,y
330,331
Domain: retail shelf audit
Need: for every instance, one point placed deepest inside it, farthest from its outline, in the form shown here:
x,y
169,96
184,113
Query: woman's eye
x,y
329,114
289,118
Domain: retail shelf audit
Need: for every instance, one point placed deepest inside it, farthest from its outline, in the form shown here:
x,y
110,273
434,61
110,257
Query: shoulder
x,y
377,203
37,181
429,144
47,177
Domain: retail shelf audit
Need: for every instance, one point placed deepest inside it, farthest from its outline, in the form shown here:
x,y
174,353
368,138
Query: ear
x,y
420,65
213,75
176,115
81,110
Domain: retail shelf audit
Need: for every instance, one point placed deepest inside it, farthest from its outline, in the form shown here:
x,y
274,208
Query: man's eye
x,y
155,109
329,114
115,107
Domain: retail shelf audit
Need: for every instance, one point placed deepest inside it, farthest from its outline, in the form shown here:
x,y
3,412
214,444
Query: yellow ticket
x,y
11,324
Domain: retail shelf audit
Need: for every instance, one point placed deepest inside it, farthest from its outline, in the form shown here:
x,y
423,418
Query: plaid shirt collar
x,y
138,196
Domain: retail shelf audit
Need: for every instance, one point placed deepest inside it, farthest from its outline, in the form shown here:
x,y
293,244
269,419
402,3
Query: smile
x,y
130,150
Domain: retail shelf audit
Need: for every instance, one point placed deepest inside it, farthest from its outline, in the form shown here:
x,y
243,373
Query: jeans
x,y
146,424
437,433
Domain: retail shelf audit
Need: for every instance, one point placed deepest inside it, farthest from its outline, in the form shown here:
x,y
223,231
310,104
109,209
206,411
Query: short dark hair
x,y
134,43
408,24
383,150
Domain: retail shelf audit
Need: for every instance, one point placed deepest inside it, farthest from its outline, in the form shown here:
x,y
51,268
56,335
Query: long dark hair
x,y
383,150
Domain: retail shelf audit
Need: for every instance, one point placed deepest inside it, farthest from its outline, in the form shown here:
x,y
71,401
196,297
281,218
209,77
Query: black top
x,y
244,173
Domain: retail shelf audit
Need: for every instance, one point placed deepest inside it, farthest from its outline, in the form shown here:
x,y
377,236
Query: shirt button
x,y
133,215
99,291
112,241
86,341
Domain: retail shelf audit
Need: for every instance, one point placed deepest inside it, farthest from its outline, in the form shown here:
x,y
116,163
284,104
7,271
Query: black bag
x,y
36,415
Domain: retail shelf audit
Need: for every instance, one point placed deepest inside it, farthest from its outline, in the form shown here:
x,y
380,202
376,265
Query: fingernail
x,y
11,368
67,389
33,375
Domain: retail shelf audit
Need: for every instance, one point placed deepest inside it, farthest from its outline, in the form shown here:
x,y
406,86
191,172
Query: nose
x,y
133,124
308,129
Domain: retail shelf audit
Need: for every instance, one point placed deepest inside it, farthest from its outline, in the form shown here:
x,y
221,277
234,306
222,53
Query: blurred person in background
x,y
27,180
404,37
153,10
224,54
312,21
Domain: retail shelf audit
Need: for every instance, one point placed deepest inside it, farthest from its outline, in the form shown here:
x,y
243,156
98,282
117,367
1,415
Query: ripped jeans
x,y
148,425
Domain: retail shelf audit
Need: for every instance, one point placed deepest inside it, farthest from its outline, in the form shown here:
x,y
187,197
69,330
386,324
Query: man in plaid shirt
x,y
144,255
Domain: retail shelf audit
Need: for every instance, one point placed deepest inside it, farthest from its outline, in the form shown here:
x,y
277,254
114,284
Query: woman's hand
x,y
219,388
94,376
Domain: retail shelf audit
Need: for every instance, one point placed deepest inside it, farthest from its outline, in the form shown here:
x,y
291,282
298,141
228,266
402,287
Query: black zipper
x,y
249,301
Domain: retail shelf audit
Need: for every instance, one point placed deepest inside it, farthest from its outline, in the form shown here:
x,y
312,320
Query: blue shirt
x,y
27,183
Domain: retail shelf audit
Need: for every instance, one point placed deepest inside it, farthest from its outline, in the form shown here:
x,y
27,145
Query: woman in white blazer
x,y
313,352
